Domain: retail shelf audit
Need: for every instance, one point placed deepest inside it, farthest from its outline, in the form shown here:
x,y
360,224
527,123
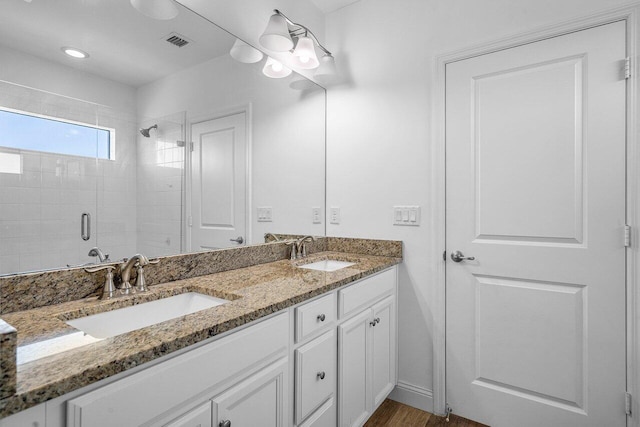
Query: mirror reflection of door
x,y
219,182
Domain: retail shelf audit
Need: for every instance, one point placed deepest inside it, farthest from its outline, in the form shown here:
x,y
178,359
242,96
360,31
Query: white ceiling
x,y
123,44
327,6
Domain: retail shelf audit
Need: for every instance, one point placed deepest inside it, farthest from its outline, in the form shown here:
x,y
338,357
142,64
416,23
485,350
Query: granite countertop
x,y
253,292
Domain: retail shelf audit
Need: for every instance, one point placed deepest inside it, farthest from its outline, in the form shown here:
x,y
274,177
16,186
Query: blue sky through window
x,y
26,132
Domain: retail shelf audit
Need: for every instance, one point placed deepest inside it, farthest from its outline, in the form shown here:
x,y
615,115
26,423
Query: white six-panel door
x,y
218,182
535,170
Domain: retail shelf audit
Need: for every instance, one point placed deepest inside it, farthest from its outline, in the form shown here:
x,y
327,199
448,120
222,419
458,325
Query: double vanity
x,y
254,339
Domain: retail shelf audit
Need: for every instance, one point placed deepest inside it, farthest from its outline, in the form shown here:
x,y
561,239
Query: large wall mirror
x,y
158,142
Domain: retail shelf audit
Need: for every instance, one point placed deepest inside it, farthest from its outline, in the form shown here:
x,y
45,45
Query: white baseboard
x,y
413,395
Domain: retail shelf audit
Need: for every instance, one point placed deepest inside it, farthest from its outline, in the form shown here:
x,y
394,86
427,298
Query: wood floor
x,y
394,414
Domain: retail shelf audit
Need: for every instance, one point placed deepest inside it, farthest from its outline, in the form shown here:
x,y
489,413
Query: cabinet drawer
x,y
315,316
366,292
316,373
199,417
325,416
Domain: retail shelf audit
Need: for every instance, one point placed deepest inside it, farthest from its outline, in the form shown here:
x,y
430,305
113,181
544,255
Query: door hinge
x,y
627,68
627,403
444,256
191,145
190,221
627,236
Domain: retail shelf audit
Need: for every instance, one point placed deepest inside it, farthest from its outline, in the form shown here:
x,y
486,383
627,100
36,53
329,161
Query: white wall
x,y
31,71
287,134
379,132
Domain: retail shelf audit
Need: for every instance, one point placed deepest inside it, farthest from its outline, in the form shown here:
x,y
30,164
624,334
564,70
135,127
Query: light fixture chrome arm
x,y
306,30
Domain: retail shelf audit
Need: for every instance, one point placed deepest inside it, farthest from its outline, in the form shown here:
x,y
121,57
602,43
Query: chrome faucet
x,y
139,261
273,236
97,252
302,245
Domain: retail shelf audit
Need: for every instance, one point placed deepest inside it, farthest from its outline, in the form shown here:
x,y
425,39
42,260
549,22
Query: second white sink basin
x,y
327,265
123,320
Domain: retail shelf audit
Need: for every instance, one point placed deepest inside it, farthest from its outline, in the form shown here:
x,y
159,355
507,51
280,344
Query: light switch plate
x,y
334,213
406,215
265,214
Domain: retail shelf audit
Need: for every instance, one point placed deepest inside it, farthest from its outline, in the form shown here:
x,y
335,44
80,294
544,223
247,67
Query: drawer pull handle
x,y
225,423
320,375
321,317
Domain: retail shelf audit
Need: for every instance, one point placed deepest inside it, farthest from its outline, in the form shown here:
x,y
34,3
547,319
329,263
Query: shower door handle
x,y
85,226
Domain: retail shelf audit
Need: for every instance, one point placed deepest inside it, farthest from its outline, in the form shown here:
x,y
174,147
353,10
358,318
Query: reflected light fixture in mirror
x,y
275,69
279,36
156,9
74,53
242,52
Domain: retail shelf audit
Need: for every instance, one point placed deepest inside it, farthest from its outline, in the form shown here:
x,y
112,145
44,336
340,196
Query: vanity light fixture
x,y
157,9
242,52
275,69
74,53
282,34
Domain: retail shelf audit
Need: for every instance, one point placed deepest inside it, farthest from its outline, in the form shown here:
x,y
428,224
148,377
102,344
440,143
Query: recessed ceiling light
x,y
74,53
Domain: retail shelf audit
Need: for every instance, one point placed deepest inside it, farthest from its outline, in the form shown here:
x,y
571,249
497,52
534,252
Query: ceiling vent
x,y
177,40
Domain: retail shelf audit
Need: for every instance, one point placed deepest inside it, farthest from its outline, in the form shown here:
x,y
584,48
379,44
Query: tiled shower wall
x,y
160,176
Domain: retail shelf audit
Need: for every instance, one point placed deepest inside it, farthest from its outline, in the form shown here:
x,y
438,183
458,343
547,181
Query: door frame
x,y
630,14
247,109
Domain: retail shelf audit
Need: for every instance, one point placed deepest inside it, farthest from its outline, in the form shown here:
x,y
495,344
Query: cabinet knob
x,y
321,317
377,320
225,423
372,323
321,375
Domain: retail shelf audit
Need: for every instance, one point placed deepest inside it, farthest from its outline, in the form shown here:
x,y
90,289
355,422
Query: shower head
x,y
145,132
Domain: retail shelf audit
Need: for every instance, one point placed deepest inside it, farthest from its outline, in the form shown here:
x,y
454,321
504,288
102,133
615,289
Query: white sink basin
x,y
123,320
327,265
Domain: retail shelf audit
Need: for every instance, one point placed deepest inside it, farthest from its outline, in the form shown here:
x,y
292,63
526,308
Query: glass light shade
x,y
275,69
276,36
242,52
326,72
156,9
304,56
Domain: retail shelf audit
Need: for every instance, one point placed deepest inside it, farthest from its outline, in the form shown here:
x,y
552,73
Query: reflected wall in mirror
x,y
145,146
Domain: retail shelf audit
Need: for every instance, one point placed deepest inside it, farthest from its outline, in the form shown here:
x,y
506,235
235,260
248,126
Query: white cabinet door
x,y
257,401
198,417
353,370
383,350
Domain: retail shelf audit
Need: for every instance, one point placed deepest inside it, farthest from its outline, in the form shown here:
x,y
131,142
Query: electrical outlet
x,y
316,215
265,214
335,215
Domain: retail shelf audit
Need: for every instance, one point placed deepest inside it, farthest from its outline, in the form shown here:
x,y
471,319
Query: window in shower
x,y
27,131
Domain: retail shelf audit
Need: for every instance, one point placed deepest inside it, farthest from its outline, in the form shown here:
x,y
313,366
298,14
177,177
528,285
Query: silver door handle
x,y
458,256
238,240
85,226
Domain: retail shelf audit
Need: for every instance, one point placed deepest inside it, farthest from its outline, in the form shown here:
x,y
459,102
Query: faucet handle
x,y
141,283
109,289
99,268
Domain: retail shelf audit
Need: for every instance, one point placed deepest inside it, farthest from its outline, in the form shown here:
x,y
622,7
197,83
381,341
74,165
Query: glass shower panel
x,y
47,198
